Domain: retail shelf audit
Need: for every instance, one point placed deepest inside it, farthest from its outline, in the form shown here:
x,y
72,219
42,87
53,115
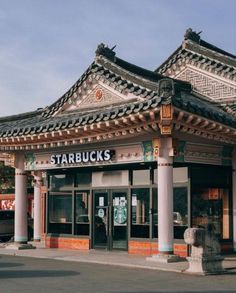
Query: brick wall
x,y
149,248
67,243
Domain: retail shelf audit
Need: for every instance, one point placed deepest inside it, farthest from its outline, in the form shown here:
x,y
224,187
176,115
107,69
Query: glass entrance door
x,y
101,219
119,219
110,219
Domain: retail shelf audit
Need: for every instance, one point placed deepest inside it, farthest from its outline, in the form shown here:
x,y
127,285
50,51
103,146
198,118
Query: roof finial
x,y
193,36
105,51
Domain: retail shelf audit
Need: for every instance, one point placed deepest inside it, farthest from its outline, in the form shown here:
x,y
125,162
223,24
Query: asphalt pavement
x,y
20,274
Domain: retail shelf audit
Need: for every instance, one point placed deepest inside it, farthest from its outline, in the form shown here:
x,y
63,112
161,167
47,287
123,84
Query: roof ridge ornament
x,y
192,35
104,50
166,90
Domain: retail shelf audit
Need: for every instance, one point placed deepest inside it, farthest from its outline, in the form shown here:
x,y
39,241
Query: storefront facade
x,y
113,204
129,159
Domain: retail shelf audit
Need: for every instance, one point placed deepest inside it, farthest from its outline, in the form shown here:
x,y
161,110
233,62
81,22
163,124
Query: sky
x,y
46,45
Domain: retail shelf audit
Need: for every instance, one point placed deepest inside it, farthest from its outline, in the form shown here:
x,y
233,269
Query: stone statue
x,y
205,256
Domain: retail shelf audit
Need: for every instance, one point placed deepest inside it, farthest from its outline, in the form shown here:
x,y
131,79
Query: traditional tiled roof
x,y
40,124
125,77
206,55
194,105
36,123
219,65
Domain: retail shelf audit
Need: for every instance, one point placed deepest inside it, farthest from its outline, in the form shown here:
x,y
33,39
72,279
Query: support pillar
x,y
165,202
21,230
37,206
21,205
234,197
165,197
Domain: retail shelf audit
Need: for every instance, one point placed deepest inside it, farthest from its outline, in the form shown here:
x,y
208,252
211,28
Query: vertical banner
x,y
147,151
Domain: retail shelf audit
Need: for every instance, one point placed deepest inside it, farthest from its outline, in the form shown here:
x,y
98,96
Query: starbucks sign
x,y
82,157
120,214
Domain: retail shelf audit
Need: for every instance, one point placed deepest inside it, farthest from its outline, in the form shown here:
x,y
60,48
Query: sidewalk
x,y
115,258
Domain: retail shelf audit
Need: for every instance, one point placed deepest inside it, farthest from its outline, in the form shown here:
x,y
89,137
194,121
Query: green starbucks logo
x,y
120,215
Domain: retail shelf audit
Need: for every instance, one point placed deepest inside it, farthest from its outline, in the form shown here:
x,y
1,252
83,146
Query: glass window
x,y
209,176
154,213
141,177
110,178
84,178
140,213
60,212
60,182
82,213
210,206
180,214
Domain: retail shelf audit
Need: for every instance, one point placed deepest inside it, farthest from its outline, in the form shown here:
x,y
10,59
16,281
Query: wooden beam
x,y
139,129
147,128
204,124
154,126
131,131
142,118
117,122
152,115
189,119
177,126
86,128
133,118
126,121
212,126
197,121
218,128
180,116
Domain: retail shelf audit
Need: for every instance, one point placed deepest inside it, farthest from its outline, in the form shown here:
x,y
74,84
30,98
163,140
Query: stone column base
x,y
165,258
37,240
19,246
211,265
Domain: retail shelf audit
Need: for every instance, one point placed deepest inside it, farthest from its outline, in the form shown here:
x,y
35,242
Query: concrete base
x,y
19,246
165,258
205,265
37,240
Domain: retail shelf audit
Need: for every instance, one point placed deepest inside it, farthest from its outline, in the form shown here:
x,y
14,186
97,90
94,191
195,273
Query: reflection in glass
x,y
119,213
154,213
60,182
84,178
140,213
180,214
100,219
82,213
60,212
210,206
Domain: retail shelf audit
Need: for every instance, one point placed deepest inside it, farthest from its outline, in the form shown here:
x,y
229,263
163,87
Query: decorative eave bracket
x,y
166,92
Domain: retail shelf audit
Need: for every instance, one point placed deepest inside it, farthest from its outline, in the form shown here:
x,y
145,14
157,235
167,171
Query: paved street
x,y
25,274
